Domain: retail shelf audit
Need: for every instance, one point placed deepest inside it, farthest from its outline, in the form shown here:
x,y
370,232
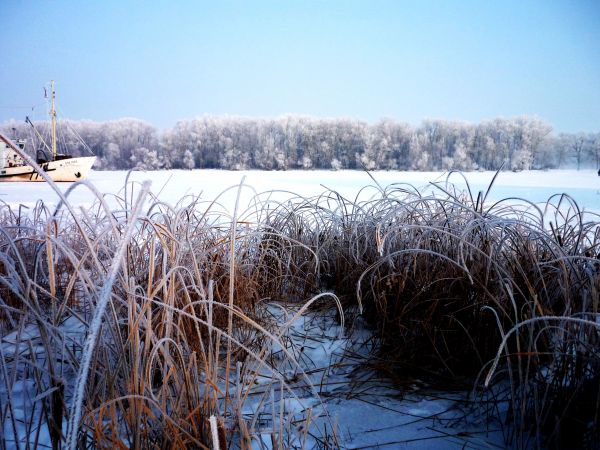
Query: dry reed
x,y
181,340
443,279
457,289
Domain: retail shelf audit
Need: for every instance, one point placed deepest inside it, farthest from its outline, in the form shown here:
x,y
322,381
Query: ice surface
x,y
173,186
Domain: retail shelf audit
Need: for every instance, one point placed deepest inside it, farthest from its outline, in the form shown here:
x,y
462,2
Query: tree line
x,y
298,142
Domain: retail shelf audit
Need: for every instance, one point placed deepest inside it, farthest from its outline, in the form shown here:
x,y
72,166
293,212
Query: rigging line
x,y
67,124
4,106
60,140
14,107
38,134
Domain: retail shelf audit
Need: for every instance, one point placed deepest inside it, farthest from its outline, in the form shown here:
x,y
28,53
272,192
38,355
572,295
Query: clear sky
x,y
162,61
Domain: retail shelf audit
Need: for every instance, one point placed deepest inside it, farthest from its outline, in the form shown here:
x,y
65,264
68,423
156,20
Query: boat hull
x,y
70,169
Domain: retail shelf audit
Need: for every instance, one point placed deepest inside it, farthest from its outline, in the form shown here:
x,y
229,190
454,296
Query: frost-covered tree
x,y
522,159
422,163
188,160
594,149
419,156
112,156
461,159
305,162
144,159
575,143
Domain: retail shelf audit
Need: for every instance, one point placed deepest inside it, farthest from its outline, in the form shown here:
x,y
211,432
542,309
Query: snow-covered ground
x,y
535,186
365,409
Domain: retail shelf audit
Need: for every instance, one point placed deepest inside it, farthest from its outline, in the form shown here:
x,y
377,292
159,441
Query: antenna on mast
x,y
53,116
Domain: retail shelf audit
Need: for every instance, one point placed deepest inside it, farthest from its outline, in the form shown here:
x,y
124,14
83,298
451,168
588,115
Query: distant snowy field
x,y
173,185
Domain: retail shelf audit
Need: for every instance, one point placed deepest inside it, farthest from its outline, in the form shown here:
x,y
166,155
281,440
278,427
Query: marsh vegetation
x,y
137,323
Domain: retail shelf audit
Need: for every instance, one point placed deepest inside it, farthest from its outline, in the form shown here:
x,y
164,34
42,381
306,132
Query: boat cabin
x,y
8,156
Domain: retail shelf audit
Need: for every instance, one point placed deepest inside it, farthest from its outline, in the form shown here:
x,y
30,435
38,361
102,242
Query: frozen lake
x,y
172,185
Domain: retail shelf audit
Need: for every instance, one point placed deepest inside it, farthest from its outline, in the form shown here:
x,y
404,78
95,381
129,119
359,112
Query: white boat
x,y
58,167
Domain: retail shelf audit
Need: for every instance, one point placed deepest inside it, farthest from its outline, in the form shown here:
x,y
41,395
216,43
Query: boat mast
x,y
53,115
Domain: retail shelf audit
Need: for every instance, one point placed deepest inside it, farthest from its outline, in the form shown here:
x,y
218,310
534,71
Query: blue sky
x,y
163,61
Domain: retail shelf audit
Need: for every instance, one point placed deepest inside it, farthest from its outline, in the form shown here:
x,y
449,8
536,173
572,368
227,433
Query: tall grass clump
x,y
137,324
447,279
